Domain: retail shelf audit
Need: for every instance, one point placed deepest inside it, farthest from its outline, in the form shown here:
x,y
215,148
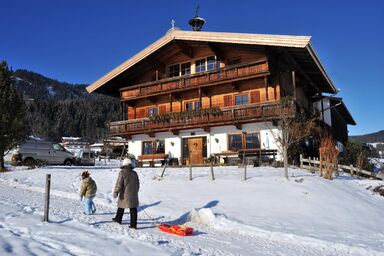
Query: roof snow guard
x,y
301,43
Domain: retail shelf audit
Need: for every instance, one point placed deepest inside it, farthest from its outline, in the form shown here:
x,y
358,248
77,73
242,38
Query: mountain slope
x,y
369,138
56,109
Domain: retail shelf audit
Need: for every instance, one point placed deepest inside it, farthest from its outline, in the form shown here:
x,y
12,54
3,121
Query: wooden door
x,y
195,146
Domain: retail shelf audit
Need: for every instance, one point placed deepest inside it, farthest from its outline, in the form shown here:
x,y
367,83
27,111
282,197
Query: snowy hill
x,y
265,215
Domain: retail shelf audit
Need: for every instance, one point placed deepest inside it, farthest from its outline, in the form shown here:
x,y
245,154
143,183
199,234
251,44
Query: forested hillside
x,y
56,109
369,138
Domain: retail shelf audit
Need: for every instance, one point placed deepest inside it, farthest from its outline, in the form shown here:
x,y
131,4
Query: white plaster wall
x,y
217,139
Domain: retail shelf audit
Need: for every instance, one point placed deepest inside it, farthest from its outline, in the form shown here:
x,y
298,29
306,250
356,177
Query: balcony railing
x,y
228,116
226,75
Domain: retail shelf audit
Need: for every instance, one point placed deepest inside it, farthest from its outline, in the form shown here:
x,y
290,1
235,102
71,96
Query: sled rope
x,y
149,217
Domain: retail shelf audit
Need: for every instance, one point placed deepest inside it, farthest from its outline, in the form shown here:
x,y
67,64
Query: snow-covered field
x,y
265,215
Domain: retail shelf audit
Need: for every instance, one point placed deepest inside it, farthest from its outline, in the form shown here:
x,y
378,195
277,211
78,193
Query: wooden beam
x,y
217,51
296,66
294,83
266,88
184,48
170,102
152,100
235,86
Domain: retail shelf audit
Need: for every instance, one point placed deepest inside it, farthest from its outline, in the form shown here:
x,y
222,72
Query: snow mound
x,y
203,216
28,209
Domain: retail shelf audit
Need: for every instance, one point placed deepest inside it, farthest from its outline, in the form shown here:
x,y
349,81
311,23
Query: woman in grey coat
x,y
127,188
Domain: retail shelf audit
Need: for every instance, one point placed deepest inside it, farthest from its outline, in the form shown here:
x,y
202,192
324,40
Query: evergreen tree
x,y
13,126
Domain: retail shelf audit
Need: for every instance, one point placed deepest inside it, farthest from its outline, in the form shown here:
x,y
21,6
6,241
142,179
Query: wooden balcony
x,y
228,116
220,76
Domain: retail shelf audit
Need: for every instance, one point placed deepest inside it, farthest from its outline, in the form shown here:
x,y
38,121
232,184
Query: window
x,y
200,66
243,141
252,141
235,142
159,147
192,105
197,105
153,111
174,70
185,68
153,147
147,147
241,99
212,63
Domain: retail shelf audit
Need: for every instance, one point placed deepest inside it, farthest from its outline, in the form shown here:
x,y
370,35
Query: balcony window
x,y
174,70
212,63
185,69
153,147
200,65
192,105
241,99
152,111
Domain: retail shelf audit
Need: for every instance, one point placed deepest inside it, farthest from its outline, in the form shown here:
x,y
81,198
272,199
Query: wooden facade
x,y
200,80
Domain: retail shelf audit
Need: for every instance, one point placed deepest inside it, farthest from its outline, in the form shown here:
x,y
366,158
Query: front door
x,y
195,147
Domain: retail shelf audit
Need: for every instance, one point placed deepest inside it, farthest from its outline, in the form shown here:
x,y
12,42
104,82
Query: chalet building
x,y
193,94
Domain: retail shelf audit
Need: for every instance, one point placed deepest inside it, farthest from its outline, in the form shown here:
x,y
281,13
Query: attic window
x,y
174,70
200,65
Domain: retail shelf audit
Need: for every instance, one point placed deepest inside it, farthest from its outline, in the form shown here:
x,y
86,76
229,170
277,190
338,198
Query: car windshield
x,y
57,147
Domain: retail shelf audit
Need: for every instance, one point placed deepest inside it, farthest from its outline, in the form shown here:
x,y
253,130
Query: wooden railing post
x,y
190,171
212,174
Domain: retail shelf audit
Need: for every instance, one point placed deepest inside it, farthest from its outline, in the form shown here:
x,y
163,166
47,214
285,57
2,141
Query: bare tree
x,y
295,126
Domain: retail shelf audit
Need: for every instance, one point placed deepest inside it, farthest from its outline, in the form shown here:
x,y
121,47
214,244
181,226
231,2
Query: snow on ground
x,y
264,215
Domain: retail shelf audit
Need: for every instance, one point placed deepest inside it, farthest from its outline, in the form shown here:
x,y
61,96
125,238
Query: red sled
x,y
179,230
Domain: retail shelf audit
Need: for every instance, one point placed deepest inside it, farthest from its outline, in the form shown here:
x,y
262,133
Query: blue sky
x,y
79,41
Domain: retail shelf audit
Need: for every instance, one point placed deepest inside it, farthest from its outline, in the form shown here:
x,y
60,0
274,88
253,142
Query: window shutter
x,y
131,113
228,101
140,113
255,97
162,109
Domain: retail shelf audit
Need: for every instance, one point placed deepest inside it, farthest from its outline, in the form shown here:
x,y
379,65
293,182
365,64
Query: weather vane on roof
x,y
197,22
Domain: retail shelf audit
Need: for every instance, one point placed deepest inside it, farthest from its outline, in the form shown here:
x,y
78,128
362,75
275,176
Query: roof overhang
x,y
291,42
339,105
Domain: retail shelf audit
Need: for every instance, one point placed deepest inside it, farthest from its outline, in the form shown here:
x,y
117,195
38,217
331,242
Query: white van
x,y
34,151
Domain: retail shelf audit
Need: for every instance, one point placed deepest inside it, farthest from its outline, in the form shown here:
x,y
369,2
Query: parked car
x,y
34,151
85,158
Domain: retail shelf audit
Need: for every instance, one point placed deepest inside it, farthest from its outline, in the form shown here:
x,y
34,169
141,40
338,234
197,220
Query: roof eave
x,y
314,56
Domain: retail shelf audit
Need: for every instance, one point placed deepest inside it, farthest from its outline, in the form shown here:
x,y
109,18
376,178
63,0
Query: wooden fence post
x,y
47,194
245,170
162,173
190,171
351,169
321,163
301,161
212,174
